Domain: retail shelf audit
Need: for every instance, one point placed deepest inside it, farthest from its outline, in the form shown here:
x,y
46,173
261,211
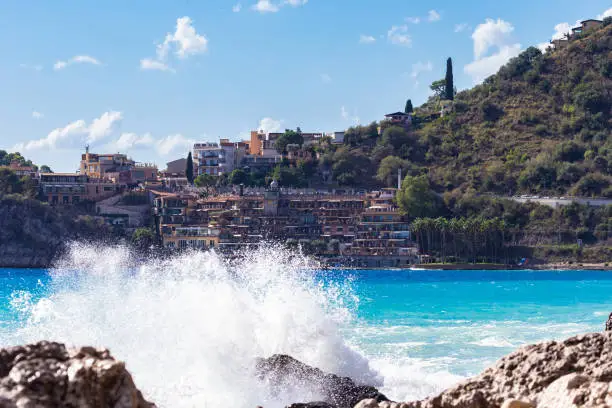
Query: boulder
x,y
282,371
48,374
547,375
609,323
576,390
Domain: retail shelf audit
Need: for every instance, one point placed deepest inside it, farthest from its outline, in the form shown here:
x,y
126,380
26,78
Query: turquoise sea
x,y
192,325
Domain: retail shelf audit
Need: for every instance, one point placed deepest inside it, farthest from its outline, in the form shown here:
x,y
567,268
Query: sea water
x,y
191,327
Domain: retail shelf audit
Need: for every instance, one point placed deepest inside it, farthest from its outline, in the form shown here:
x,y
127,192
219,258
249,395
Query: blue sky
x,y
150,77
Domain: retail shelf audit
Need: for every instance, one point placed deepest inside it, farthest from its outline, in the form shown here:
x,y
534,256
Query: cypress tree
x,y
449,90
408,106
189,169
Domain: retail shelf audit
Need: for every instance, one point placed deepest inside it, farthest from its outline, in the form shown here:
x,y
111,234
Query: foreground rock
x,y
46,375
283,372
609,323
574,373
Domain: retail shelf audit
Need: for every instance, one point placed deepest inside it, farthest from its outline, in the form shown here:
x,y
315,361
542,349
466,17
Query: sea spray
x,y
190,327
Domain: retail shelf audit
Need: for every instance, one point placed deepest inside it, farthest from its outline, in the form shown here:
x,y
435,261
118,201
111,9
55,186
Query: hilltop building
x,y
585,25
20,170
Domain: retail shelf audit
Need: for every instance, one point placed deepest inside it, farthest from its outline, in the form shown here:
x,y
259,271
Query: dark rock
x,y
317,404
46,375
609,323
283,371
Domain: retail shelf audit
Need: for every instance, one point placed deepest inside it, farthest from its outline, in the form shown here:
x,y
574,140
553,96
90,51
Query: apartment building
x,y
73,188
118,167
368,229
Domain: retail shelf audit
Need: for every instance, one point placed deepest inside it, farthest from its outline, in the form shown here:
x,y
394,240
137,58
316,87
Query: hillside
x,y
542,124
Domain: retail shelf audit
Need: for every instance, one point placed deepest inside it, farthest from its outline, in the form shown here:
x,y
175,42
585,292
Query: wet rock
x,y
578,369
285,372
609,323
48,374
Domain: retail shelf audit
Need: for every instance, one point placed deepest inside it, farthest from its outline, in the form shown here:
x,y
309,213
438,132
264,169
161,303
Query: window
x,y
212,244
54,200
65,199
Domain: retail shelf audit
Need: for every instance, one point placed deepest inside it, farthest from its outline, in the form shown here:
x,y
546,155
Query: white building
x,y
218,158
206,158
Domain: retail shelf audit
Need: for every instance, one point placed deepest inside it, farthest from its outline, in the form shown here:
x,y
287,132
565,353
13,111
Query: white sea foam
x,y
493,342
191,327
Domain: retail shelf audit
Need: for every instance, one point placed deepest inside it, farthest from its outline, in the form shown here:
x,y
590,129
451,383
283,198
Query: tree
x,y
143,238
205,180
439,87
395,136
189,168
45,169
289,176
417,199
388,170
287,138
408,108
238,176
449,90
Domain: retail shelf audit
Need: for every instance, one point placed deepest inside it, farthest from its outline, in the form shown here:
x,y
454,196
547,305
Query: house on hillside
x,y
585,25
399,119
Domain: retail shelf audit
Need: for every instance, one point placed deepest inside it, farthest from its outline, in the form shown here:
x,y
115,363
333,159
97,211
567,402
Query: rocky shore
x,y
573,373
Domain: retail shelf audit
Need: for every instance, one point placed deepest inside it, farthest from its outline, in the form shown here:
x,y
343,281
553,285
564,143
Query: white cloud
x,y
496,35
76,134
237,8
346,115
150,64
296,3
461,27
186,42
37,115
399,35
171,144
413,20
420,67
185,39
102,126
78,59
366,39
265,6
33,67
607,13
482,68
562,29
326,78
433,15
129,141
267,125
489,34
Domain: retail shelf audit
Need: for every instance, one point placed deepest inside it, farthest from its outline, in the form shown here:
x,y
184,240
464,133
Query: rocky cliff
x,y
46,375
576,372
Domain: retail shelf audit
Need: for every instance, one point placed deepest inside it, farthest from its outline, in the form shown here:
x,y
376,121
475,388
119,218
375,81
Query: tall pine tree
x,y
408,106
449,90
189,169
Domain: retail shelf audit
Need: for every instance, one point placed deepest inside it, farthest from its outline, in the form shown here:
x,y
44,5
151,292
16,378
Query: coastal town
x,y
467,177
344,226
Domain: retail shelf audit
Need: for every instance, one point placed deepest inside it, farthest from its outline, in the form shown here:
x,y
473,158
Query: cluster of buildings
x,y
355,229
583,27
